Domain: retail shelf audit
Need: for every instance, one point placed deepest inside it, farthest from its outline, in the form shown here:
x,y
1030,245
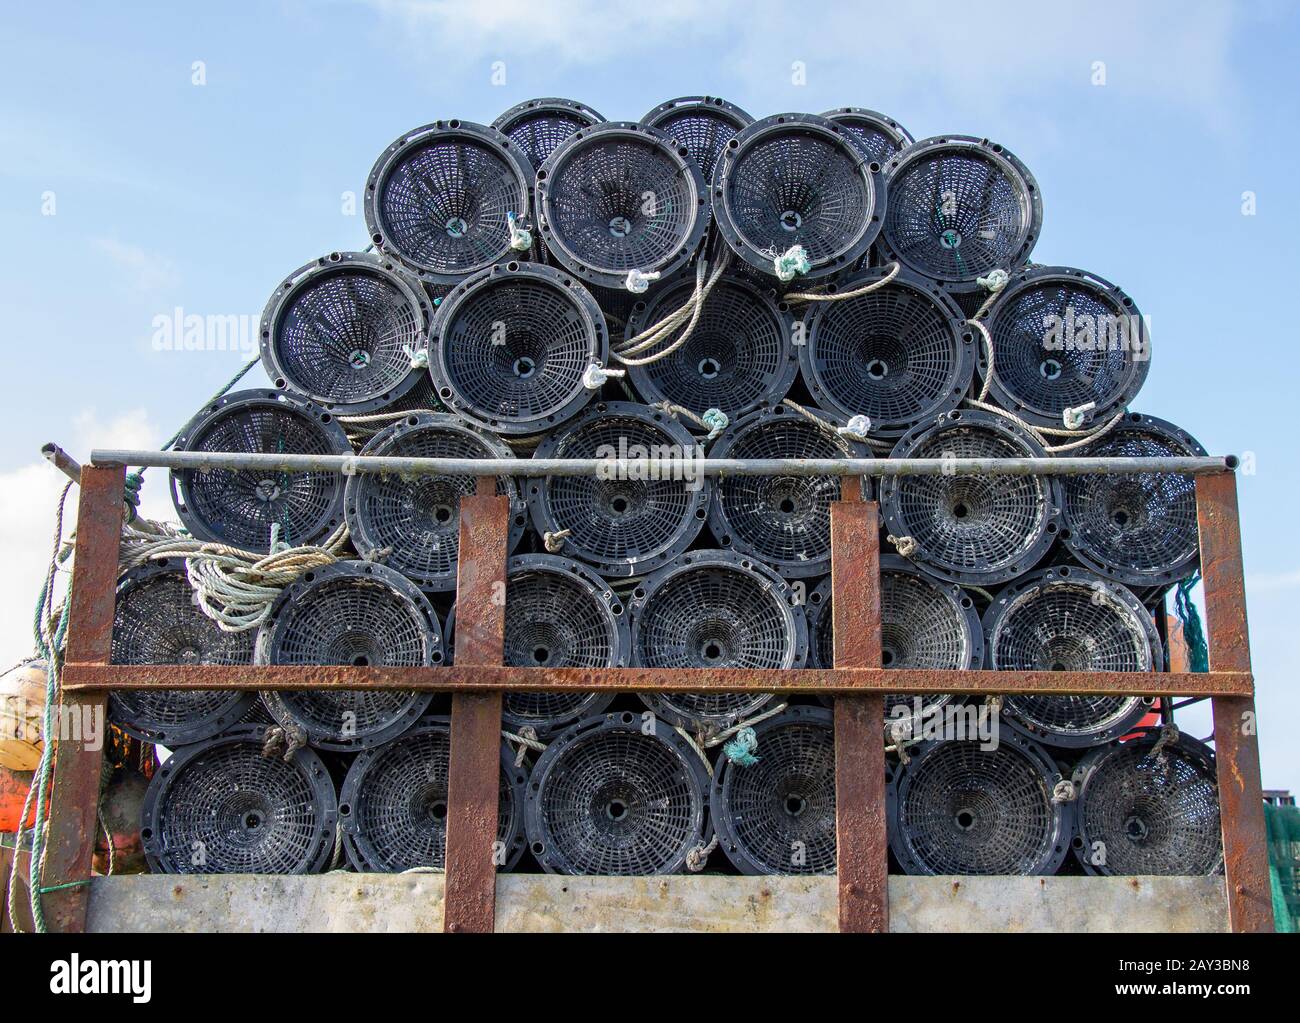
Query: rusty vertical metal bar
x,y
81,720
475,771
1236,742
861,844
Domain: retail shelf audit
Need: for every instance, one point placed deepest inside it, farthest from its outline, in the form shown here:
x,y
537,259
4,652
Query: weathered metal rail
x,y
478,678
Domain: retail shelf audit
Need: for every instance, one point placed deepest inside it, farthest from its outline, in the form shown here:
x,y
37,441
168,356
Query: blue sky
x,y
169,193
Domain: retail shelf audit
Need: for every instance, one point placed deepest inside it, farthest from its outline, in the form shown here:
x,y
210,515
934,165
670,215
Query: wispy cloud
x,y
145,272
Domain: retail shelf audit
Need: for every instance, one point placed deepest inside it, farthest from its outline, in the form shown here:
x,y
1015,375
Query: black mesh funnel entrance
x,y
240,507
715,609
1149,806
621,197
344,331
703,124
798,179
972,529
738,357
510,347
1139,530
439,198
777,816
612,796
1065,339
782,521
879,135
924,623
393,804
900,355
412,523
156,621
622,526
221,807
538,126
354,613
559,614
1068,619
958,208
958,809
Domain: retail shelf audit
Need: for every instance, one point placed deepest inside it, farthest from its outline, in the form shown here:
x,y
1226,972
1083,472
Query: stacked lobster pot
x,y
799,286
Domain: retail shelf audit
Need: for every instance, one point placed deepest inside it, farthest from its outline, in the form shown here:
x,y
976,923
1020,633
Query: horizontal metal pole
x,y
663,468
462,678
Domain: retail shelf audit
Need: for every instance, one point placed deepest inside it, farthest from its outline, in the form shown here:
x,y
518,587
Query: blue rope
x,y
740,750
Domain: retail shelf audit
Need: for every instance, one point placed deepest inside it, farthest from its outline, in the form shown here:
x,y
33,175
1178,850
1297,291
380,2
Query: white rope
x,y
638,282
722,737
905,545
688,313
698,857
866,289
525,740
595,375
1074,418
1064,792
857,429
554,541
1039,433
236,588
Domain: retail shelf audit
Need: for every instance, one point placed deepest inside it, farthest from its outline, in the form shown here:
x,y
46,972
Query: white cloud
x,y
28,497
146,272
955,58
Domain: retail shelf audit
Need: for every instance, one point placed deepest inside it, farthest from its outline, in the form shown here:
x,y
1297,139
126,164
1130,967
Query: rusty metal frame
x,y
478,679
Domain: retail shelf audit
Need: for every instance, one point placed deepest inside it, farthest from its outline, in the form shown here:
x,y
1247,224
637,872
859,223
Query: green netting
x,y
1283,826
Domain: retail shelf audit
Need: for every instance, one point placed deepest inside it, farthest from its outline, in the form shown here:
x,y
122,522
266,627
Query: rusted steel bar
x,y
665,468
474,781
81,718
1236,742
471,678
862,858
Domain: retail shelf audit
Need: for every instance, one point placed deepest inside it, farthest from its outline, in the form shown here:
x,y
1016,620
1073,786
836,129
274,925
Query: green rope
x,y
716,420
791,263
740,750
1198,655
61,887
51,648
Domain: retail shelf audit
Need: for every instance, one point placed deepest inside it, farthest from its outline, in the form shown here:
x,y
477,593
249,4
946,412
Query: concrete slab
x,y
546,903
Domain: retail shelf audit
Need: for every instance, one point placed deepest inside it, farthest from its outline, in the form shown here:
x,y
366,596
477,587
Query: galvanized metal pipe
x,y
62,461
663,468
